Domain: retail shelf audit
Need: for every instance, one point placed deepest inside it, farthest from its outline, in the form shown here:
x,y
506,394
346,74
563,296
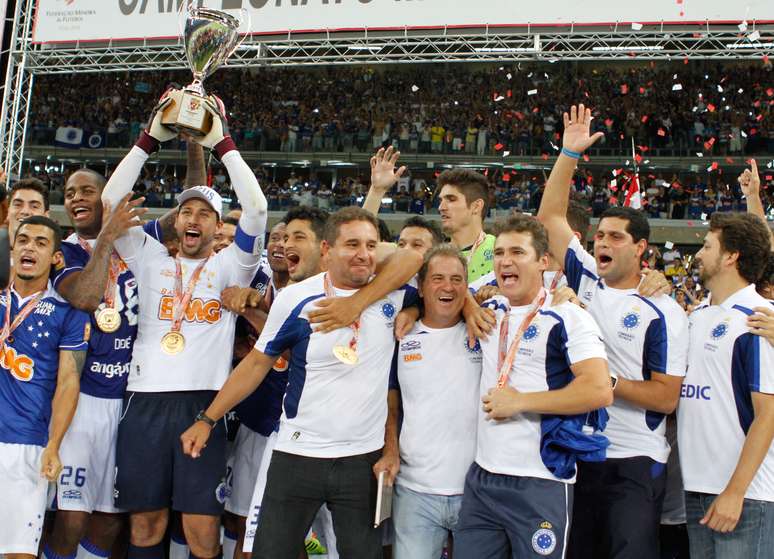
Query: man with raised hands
x,y
174,372
618,502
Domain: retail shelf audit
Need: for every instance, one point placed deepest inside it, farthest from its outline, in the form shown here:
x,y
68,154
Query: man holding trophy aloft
x,y
174,372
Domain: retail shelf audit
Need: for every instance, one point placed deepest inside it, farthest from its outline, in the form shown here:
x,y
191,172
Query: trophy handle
x,y
183,9
244,14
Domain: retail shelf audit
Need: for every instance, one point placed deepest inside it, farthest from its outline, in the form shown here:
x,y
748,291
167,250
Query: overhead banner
x,y
58,21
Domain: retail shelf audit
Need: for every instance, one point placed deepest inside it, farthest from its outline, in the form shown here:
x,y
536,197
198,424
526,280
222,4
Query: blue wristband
x,y
573,154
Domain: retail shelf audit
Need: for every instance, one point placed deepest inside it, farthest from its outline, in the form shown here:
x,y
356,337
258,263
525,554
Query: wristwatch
x,y
201,416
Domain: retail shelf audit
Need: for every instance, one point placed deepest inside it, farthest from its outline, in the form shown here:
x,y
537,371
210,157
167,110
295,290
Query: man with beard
x,y
42,349
341,370
725,422
174,372
618,502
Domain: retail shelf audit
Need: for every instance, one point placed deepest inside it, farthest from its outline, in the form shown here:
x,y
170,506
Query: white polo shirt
x,y
642,335
438,376
330,409
726,365
557,338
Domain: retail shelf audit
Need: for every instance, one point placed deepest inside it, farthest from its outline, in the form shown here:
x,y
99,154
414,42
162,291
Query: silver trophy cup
x,y
210,36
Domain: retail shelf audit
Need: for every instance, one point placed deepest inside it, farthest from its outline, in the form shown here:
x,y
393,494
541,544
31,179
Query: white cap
x,y
207,194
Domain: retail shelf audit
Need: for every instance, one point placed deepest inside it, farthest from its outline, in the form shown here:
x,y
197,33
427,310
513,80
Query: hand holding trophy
x,y
210,37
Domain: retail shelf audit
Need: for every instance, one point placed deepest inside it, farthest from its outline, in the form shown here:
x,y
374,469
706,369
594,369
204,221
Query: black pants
x,y
296,488
617,509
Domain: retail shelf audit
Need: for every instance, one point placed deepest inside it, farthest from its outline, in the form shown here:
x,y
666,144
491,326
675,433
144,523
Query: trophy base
x,y
186,114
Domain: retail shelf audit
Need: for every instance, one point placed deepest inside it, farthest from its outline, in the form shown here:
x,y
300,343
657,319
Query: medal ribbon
x,y
182,298
9,327
331,292
479,241
507,355
113,273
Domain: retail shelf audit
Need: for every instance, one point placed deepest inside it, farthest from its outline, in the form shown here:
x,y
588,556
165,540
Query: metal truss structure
x,y
409,46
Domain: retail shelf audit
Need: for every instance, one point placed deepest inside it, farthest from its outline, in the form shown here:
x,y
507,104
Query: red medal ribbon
x,y
113,273
507,355
8,326
182,299
331,292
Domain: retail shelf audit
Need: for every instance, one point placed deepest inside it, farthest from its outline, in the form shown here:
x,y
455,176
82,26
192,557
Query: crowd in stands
x,y
669,108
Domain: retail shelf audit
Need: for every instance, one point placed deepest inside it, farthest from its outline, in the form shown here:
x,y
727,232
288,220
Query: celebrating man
x,y
42,348
725,422
618,502
322,458
174,372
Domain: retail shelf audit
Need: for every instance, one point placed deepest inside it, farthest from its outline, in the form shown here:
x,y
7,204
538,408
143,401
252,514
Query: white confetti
x,y
499,98
754,36
699,154
532,92
743,26
720,89
677,87
414,88
744,134
669,245
508,75
506,153
636,26
704,217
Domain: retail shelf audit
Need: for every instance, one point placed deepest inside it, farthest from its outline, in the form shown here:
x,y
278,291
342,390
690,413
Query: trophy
x,y
210,38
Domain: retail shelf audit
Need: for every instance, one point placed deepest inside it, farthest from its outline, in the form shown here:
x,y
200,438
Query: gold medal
x,y
345,354
172,343
108,319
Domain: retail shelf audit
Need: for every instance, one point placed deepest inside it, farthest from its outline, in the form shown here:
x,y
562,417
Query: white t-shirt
x,y
642,335
557,338
726,365
205,362
438,376
330,409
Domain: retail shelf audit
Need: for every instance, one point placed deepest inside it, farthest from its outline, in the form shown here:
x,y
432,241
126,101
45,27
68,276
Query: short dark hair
x,y
346,215
231,220
638,226
46,222
747,235
31,184
430,225
99,178
315,216
523,223
385,235
471,184
444,249
579,219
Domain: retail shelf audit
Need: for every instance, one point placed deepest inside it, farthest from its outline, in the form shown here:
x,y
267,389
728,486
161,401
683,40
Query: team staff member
x,y
174,372
435,375
338,370
618,502
42,349
547,367
725,421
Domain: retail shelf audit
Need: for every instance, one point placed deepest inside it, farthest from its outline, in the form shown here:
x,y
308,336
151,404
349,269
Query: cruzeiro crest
x,y
720,330
631,319
388,310
532,332
544,539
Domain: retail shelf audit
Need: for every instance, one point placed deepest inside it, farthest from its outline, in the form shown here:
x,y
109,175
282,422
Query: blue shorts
x,y
506,516
152,473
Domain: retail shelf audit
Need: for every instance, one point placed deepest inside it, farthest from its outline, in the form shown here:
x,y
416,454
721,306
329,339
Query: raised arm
x,y
553,206
750,182
383,177
252,222
68,385
85,288
196,169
